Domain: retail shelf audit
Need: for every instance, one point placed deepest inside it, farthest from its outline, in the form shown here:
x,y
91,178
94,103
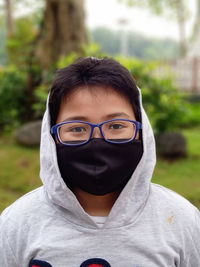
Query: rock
x,y
171,145
29,134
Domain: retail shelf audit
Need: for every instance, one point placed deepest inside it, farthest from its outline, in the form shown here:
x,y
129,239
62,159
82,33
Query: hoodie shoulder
x,y
169,200
25,205
180,218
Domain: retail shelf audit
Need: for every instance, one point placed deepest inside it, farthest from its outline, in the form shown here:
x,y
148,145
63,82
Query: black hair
x,y
92,72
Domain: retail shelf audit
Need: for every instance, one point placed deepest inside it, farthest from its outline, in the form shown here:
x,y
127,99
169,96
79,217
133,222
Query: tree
x,y
9,18
179,9
63,31
196,28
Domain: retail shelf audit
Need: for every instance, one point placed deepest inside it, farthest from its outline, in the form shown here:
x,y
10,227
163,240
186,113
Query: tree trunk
x,y
181,24
195,37
9,18
196,27
63,31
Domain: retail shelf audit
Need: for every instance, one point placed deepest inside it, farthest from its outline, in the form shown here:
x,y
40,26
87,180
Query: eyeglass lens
x,y
77,133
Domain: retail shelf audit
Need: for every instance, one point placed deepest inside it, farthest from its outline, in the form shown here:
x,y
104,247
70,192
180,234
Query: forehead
x,y
94,104
95,93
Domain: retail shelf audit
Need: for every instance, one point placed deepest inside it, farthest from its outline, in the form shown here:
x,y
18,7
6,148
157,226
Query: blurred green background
x,y
36,38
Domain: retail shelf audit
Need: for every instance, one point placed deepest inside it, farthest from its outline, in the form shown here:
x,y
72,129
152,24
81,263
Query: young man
x,y
97,207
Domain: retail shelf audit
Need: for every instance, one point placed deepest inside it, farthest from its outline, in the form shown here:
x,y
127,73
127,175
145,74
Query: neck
x,y
96,205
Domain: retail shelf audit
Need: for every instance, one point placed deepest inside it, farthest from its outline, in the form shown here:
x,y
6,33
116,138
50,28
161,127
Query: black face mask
x,y
99,167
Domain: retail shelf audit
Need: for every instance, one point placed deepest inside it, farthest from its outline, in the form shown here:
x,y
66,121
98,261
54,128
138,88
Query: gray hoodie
x,y
148,226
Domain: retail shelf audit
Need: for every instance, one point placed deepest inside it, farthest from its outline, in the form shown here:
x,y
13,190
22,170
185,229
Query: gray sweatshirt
x,y
148,226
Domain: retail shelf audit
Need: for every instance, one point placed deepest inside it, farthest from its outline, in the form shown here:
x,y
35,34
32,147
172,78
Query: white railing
x,y
186,73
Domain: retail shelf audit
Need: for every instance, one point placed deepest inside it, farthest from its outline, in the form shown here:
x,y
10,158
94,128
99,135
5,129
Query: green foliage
x,y
192,116
67,60
161,99
17,81
12,97
40,93
164,105
42,89
90,50
20,45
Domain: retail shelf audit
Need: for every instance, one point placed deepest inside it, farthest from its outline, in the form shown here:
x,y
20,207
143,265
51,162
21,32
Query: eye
x,y
78,130
116,126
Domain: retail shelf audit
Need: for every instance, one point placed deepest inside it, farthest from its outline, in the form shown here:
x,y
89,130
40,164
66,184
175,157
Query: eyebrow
x,y
116,115
76,118
107,117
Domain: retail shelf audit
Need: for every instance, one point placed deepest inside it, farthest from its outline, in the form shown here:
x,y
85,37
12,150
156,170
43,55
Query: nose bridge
x,y
96,132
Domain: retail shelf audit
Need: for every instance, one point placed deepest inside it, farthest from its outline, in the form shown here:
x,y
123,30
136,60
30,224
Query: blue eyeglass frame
x,y
54,130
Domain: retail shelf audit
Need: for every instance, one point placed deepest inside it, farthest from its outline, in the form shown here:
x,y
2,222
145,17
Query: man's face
x,y
95,106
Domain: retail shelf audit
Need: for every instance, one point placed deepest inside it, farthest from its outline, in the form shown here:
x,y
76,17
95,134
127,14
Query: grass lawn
x,y
20,170
183,176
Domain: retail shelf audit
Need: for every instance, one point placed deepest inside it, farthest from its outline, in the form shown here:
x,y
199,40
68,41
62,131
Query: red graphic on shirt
x,y
39,263
95,262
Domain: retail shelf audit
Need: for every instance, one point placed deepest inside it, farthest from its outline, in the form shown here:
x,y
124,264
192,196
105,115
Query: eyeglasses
x,y
116,131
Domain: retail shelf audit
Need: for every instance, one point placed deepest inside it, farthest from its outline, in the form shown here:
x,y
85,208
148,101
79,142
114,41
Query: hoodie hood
x,y
130,202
